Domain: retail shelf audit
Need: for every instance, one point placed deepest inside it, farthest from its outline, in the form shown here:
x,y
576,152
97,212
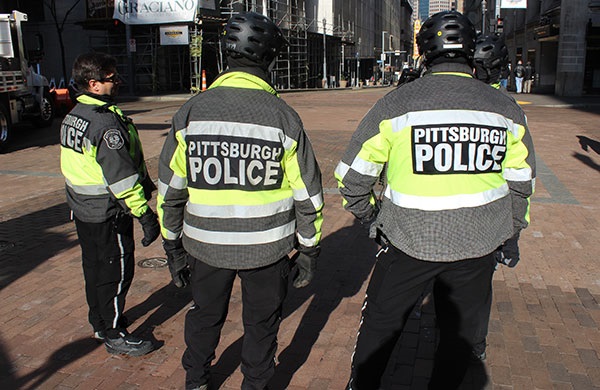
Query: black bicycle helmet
x,y
447,34
253,36
491,54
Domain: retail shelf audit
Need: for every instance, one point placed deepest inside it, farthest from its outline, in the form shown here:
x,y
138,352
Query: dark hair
x,y
92,66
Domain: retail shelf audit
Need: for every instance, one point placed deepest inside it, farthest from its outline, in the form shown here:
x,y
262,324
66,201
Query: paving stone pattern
x,y
544,322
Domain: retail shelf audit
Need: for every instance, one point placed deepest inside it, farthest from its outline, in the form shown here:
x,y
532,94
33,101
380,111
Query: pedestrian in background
x,y
239,189
505,75
519,75
528,78
460,169
107,186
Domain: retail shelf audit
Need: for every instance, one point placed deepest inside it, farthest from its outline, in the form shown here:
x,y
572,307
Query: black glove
x,y
306,264
177,261
367,221
508,253
150,226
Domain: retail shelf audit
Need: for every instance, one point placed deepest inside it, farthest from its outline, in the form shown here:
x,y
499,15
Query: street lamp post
x,y
383,56
324,54
483,11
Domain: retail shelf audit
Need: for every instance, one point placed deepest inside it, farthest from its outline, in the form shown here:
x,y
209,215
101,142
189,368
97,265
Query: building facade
x,y
329,40
436,6
561,38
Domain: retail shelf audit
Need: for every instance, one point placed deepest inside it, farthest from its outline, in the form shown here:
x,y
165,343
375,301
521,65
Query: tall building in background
x,y
423,9
439,5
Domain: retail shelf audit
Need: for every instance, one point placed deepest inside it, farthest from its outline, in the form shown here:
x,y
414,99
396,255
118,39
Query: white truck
x,y
24,94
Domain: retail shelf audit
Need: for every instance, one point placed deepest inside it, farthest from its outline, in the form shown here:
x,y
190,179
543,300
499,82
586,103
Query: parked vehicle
x,y
24,94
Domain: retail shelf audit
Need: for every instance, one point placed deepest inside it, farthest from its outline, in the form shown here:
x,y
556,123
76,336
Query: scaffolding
x,y
144,75
291,67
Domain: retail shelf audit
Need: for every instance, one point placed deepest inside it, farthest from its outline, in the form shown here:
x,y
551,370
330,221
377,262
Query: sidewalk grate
x,y
153,262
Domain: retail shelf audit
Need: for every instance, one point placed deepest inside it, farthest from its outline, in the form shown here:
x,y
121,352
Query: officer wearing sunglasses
x,y
107,186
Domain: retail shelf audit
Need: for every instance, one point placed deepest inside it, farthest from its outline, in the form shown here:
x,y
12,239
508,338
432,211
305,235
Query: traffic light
x,y
500,25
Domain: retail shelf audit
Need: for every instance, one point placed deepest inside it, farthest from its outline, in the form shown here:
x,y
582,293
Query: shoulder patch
x,y
114,139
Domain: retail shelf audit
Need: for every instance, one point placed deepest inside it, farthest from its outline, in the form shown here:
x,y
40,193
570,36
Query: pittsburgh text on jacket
x,y
457,148
227,162
71,132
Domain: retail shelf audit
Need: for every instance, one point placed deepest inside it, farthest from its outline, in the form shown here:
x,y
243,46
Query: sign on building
x,y
513,4
155,11
174,35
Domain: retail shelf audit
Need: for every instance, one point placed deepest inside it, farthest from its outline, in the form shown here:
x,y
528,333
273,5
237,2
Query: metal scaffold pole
x,y
196,58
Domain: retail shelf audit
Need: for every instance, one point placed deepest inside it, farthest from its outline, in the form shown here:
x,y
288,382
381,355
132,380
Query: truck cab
x,y
24,94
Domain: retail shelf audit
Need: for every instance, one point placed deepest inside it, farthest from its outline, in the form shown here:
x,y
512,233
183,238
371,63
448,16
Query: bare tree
x,y
60,27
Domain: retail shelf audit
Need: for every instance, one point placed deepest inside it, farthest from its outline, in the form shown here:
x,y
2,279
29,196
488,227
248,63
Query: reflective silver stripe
x,y
312,241
87,144
171,235
120,285
248,130
517,174
433,117
178,183
125,184
240,211
451,202
96,189
240,238
342,169
288,142
301,194
162,188
317,201
366,168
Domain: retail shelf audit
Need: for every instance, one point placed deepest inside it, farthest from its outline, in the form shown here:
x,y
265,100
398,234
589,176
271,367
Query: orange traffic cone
x,y
203,80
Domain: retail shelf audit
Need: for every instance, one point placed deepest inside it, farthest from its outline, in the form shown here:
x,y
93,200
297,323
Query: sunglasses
x,y
115,78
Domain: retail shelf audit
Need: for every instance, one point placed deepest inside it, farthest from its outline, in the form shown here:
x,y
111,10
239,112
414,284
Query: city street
x,y
544,329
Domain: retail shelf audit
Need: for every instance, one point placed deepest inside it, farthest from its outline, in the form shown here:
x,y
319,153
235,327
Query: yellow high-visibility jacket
x,y
238,179
460,166
102,160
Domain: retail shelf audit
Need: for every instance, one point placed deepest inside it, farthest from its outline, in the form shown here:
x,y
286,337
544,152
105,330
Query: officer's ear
x,y
93,86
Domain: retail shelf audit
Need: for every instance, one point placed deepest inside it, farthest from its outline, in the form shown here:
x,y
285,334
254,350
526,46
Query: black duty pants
x,y
108,266
461,289
263,291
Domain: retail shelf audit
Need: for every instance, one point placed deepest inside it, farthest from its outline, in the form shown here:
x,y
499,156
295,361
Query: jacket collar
x,y
237,79
451,67
93,99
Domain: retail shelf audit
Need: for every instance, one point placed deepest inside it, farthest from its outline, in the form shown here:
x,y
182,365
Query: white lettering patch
x,y
227,162
72,132
457,148
114,139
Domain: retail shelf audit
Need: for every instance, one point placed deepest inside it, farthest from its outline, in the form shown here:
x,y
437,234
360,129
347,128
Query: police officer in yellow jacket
x,y
460,171
107,185
239,189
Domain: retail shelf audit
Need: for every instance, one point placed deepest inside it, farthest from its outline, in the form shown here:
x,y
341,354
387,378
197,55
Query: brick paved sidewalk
x,y
544,328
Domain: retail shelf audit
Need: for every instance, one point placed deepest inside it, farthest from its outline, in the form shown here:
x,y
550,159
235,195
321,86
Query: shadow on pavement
x,y
59,359
30,240
169,300
26,136
588,144
343,266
